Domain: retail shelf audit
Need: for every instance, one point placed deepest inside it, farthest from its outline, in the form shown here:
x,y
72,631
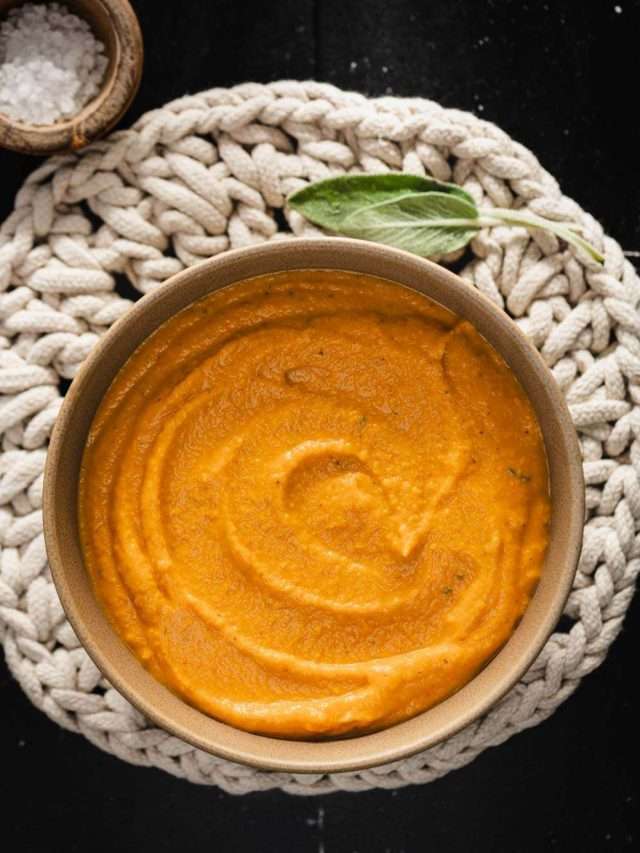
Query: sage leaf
x,y
425,224
328,203
421,215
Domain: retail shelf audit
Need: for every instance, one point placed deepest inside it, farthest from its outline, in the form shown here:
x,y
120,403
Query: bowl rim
x,y
401,740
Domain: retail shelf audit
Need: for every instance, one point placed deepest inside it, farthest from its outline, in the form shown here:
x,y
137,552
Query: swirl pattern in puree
x,y
314,503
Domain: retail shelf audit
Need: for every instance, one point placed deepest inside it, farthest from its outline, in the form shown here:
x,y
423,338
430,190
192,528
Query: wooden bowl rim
x,y
99,115
403,739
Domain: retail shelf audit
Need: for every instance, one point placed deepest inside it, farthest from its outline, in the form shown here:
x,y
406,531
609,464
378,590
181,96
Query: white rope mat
x,y
209,172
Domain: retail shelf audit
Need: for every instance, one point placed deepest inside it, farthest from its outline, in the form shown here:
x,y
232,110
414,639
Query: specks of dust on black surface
x,y
560,77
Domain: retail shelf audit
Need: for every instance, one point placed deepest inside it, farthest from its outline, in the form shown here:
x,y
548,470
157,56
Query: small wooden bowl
x,y
114,22
168,710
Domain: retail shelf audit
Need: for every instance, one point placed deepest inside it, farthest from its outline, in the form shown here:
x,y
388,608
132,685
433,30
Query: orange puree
x,y
314,503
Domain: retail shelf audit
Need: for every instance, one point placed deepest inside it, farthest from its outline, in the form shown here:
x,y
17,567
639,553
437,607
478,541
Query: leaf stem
x,y
565,230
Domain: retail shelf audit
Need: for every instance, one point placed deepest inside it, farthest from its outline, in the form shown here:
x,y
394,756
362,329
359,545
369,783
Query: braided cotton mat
x,y
212,171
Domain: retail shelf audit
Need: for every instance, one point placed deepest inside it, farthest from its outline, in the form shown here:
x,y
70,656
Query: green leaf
x,y
420,215
328,203
426,224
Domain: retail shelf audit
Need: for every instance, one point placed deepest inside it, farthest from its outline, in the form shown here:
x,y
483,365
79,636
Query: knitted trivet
x,y
212,171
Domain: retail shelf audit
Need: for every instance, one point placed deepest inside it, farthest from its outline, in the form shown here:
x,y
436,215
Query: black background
x,y
561,77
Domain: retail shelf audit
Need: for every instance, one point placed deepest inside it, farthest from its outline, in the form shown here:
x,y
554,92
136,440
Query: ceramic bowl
x,y
172,713
115,23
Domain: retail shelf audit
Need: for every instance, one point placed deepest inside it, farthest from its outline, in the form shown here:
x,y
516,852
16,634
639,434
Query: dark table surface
x,y
561,77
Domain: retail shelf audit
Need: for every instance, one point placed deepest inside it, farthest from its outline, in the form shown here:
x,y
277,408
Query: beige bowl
x,y
171,712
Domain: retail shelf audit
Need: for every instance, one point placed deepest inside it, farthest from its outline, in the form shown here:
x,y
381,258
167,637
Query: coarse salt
x,y
51,64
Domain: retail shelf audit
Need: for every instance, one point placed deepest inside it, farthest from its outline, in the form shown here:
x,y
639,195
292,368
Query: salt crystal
x,y
51,64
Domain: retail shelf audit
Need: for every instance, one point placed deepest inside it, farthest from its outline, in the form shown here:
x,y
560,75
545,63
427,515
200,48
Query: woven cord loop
x,y
206,173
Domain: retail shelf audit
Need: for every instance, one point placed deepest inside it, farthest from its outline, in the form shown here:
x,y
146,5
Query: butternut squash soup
x,y
314,503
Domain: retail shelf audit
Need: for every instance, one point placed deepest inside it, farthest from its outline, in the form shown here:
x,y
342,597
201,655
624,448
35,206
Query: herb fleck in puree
x,y
314,503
